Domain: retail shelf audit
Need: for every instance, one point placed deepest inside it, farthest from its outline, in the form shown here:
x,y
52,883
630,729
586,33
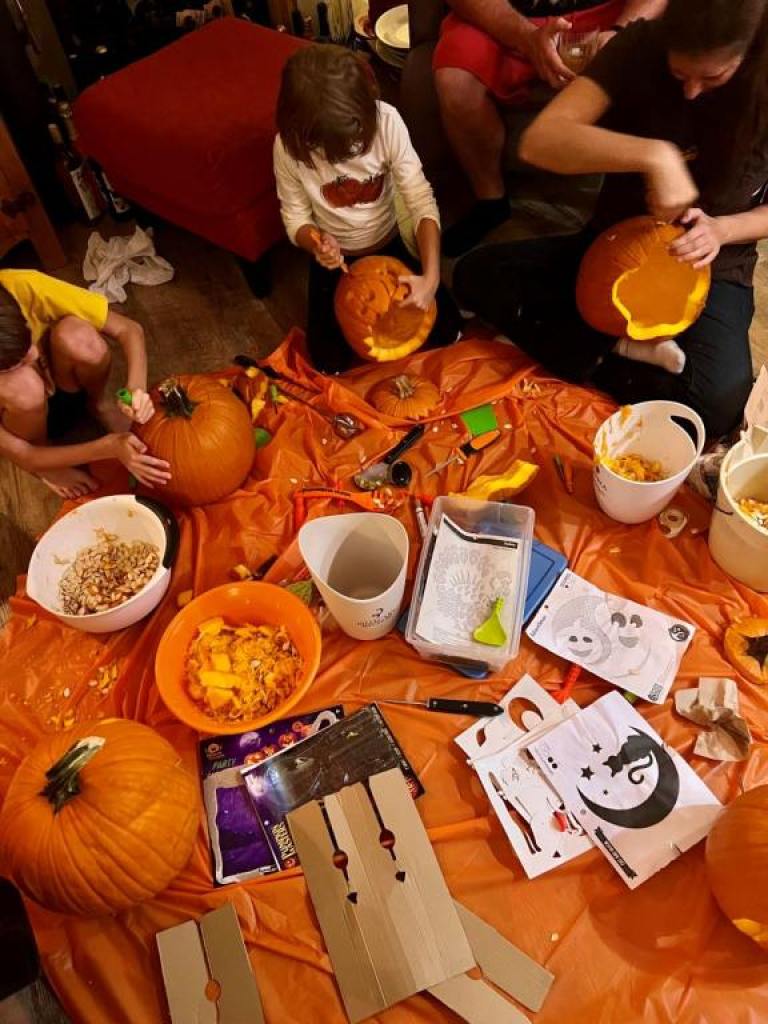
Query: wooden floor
x,y
198,322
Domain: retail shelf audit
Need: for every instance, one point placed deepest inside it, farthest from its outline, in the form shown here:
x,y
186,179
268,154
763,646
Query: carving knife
x,y
475,708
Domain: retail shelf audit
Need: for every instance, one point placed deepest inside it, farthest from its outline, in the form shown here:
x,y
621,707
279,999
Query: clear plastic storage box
x,y
474,552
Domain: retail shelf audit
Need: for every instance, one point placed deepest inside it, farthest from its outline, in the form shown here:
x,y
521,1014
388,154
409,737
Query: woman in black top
x,y
679,108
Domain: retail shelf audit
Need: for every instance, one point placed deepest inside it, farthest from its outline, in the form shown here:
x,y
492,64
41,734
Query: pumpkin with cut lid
x,y
630,285
369,311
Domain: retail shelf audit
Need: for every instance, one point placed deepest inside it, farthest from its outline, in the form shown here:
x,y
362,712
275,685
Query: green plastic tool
x,y
491,632
125,396
261,436
480,420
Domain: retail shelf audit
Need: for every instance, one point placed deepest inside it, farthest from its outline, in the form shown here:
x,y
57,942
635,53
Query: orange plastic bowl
x,y
237,603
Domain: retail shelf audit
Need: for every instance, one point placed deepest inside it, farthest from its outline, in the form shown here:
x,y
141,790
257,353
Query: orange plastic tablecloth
x,y
662,953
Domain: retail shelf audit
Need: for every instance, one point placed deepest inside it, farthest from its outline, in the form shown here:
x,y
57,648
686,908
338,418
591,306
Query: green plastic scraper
x,y
491,632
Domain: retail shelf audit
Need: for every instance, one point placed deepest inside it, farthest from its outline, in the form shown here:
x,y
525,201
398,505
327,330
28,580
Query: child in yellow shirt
x,y
54,364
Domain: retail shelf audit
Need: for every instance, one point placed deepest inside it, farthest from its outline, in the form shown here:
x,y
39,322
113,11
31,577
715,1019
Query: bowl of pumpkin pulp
x,y
238,657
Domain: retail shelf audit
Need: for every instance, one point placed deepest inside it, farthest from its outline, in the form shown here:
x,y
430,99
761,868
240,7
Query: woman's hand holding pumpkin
x,y
702,241
670,189
131,451
420,290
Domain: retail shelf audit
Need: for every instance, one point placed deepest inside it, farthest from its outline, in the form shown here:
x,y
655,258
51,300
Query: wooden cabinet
x,y
22,215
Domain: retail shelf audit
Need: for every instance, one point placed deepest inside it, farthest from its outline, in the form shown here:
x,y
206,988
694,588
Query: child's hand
x,y
328,251
141,408
132,453
421,290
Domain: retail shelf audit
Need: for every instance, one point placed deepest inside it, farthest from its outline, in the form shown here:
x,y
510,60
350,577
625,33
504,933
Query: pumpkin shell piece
x,y
746,647
629,284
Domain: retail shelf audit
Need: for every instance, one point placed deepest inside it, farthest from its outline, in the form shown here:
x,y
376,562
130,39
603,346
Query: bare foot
x,y
70,482
108,413
666,354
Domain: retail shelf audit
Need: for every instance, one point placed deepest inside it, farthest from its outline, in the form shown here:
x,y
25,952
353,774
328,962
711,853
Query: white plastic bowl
x,y
129,518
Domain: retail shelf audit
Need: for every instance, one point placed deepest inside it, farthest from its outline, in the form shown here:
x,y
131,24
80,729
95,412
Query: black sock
x,y
484,216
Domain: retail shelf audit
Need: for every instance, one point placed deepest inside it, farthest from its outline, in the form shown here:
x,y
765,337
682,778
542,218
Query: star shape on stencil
x,y
757,648
596,748
587,773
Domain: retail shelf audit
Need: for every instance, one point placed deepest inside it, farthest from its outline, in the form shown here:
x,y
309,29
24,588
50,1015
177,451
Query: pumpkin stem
x,y
403,387
64,776
175,400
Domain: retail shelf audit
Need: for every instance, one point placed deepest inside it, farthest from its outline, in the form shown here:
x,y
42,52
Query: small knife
x,y
475,708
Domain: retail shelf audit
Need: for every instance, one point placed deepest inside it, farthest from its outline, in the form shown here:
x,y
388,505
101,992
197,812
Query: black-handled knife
x,y
407,442
475,708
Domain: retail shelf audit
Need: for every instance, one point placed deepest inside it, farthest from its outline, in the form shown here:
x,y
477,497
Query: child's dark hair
x,y
327,102
15,338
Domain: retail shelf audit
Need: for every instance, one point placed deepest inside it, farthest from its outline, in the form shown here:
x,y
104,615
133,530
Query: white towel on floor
x,y
112,263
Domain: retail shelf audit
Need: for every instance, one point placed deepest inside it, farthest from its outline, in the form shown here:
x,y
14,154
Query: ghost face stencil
x,y
627,629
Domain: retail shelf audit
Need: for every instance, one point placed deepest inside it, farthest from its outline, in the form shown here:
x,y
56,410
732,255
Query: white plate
x,y
393,29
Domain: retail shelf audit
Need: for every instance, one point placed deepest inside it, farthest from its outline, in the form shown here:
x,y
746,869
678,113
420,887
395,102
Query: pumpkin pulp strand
x,y
64,776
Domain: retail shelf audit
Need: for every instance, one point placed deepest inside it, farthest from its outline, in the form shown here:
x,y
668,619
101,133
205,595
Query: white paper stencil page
x,y
625,643
467,572
639,800
534,818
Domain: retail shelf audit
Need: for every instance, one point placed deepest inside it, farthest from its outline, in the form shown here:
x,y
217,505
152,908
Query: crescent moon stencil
x,y
660,802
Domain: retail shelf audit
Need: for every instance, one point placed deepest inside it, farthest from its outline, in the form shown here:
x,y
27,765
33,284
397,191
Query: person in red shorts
x,y
489,53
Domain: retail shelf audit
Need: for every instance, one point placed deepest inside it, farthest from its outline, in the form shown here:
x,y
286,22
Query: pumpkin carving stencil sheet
x,y
467,573
639,801
621,641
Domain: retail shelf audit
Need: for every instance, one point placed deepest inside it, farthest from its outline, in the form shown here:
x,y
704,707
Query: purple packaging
x,y
346,752
239,847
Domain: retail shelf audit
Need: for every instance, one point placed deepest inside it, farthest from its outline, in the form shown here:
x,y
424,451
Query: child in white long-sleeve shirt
x,y
339,156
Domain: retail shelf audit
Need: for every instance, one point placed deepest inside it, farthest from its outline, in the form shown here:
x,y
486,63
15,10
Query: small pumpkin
x,y
746,647
630,284
98,819
367,305
405,397
205,433
737,860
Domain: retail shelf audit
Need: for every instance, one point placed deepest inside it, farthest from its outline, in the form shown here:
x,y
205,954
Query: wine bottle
x,y
70,170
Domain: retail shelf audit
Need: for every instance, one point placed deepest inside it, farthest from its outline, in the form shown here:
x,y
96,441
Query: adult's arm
x,y
565,138
500,20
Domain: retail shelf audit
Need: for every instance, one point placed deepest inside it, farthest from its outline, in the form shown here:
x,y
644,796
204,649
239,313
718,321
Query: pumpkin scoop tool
x,y
491,632
390,470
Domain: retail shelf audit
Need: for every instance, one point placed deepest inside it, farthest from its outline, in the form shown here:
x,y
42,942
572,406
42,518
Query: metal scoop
x,y
390,470
344,424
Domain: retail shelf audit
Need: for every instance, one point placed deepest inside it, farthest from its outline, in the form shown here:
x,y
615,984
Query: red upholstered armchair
x,y
187,133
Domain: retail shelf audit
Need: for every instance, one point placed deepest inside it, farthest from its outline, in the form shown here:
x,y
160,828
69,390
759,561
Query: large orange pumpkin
x,y
405,396
98,819
629,284
737,863
367,304
205,433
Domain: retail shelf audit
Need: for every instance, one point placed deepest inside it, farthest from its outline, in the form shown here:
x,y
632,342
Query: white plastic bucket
x,y
647,429
358,563
737,543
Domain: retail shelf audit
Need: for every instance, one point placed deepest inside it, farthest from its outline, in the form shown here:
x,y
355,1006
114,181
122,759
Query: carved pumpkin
x,y
630,284
98,819
205,433
405,397
737,861
746,647
368,311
